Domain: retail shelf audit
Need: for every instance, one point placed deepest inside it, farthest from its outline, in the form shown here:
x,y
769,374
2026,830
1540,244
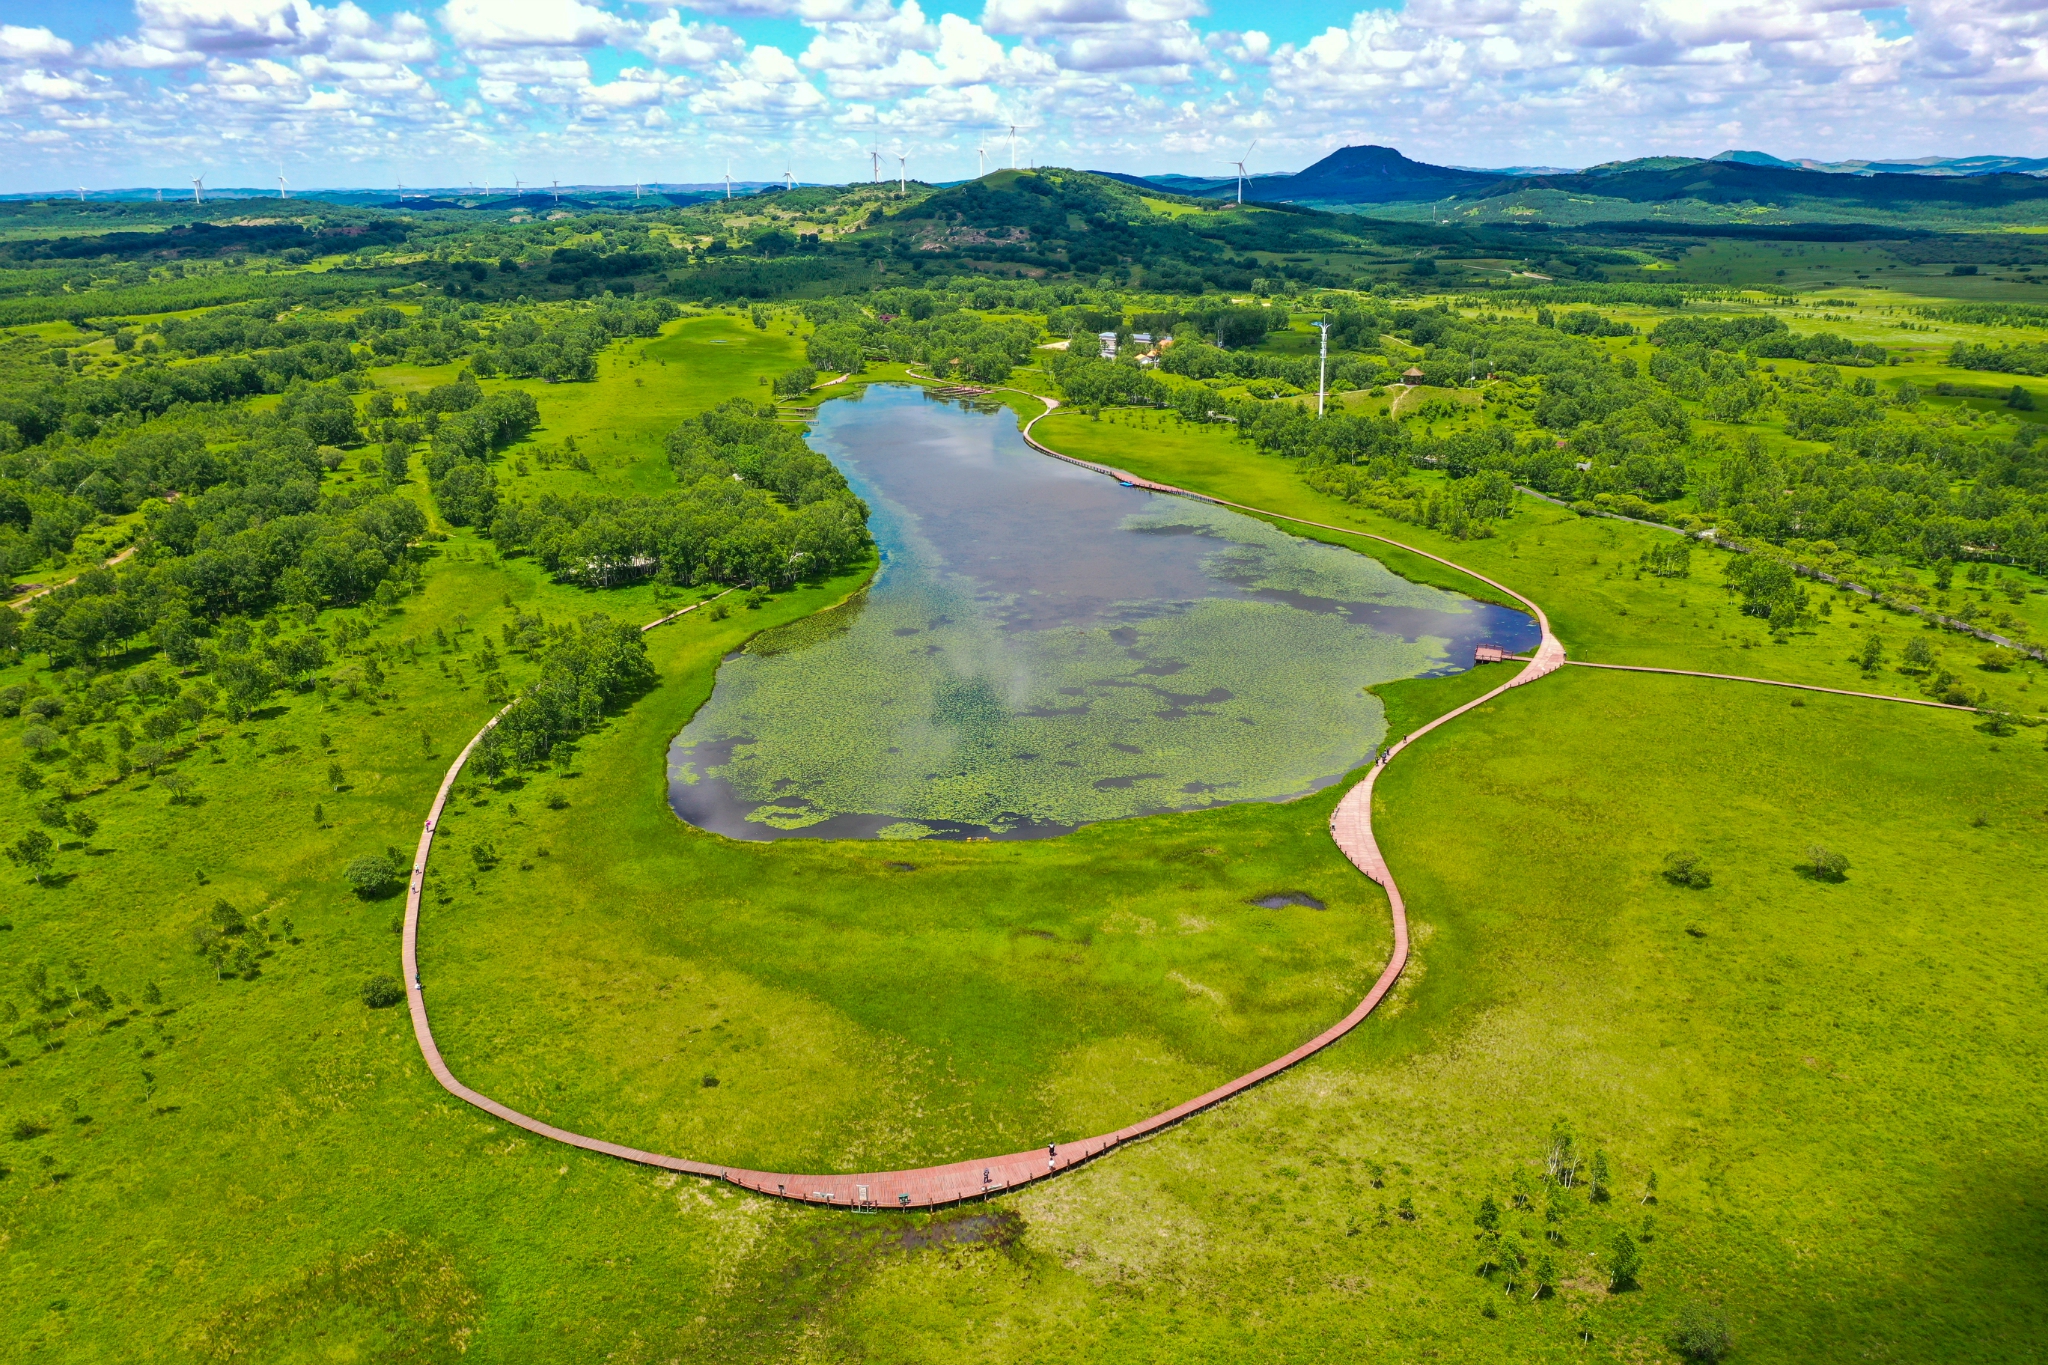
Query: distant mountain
x,y
1371,175
1924,165
1659,179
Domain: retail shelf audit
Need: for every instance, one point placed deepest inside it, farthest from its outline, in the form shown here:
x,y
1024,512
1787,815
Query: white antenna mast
x,y
1322,363
198,189
401,191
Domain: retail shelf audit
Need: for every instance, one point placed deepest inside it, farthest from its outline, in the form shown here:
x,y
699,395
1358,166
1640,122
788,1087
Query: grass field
x,y
1832,1081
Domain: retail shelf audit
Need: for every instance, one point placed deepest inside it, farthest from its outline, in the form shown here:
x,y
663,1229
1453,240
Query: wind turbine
x,y
875,160
901,179
281,183
81,194
401,191
1322,361
1241,171
788,177
981,162
159,196
198,189
636,191
557,191
1013,146
728,177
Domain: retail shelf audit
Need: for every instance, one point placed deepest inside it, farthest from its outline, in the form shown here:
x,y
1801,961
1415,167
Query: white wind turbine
x,y
281,183
1241,171
875,160
728,177
558,192
901,179
81,194
1013,146
788,176
980,162
198,189
1322,362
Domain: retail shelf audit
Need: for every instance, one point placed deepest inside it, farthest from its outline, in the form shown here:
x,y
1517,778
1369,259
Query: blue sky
x,y
365,92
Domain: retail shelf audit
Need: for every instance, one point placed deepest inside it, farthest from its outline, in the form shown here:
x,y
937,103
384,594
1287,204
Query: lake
x,y
1043,648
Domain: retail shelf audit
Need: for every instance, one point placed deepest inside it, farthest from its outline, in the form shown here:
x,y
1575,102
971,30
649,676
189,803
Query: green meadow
x,y
1813,1097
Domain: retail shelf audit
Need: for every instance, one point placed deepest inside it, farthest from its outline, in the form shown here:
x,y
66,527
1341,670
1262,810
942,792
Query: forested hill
x,y
1361,177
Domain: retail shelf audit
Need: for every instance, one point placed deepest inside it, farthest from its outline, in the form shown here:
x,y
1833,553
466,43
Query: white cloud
x,y
18,44
531,23
694,45
1034,17
765,84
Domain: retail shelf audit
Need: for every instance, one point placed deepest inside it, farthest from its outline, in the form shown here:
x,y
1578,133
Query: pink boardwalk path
x,y
935,1186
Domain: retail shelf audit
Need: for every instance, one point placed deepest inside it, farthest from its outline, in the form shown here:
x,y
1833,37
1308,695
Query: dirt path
x,y
929,1187
20,602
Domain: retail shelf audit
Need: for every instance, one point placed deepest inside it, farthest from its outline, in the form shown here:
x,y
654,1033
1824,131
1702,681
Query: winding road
x,y
937,1186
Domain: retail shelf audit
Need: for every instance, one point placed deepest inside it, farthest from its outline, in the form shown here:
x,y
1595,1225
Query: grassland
x,y
1833,1081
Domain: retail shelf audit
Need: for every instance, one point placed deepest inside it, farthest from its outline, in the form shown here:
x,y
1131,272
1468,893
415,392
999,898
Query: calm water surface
x,y
1043,648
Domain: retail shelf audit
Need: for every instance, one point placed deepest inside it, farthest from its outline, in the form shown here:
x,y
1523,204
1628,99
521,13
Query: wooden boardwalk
x,y
937,1186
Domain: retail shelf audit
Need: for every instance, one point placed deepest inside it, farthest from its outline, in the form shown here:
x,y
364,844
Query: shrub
x,y
1700,1333
372,876
381,991
1686,869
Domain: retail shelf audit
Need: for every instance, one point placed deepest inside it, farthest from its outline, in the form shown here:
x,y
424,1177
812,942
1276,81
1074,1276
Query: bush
x,y
381,991
1700,1333
1686,869
1825,865
372,876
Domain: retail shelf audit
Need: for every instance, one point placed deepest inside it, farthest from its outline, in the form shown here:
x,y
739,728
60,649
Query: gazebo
x,y
1411,375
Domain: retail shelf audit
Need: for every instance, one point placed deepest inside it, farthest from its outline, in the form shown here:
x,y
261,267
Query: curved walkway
x,y
1772,682
935,1186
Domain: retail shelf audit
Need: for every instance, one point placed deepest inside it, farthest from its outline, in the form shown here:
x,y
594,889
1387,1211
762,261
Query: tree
x,y
1700,1333
335,777
397,458
1598,1185
1650,1188
84,824
1873,653
1624,1263
179,786
1489,1214
1917,654
34,851
1543,1277
150,756
29,779
372,876
1823,864
381,991
38,740
227,918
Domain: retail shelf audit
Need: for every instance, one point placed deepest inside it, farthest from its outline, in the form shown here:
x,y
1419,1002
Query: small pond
x,y
1044,647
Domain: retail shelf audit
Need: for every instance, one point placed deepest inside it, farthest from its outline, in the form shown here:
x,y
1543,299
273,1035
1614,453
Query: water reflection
x,y
1044,647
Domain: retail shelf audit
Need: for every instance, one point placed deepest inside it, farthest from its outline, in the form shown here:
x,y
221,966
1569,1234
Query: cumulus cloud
x,y
1143,84
531,23
18,44
670,40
